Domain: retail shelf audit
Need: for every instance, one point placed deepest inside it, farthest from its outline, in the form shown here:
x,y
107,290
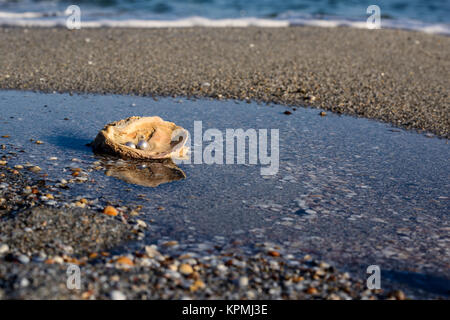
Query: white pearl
x,y
130,145
142,144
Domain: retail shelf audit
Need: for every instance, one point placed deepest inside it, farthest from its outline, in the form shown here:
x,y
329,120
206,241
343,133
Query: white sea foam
x,y
55,19
435,28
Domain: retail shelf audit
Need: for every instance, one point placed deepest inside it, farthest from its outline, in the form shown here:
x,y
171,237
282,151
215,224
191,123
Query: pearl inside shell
x,y
142,144
130,145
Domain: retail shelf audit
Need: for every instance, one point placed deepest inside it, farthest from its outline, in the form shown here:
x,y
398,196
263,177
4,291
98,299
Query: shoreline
x,y
394,76
351,192
34,260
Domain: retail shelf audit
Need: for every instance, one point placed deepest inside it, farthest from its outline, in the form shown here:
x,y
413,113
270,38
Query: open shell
x,y
165,139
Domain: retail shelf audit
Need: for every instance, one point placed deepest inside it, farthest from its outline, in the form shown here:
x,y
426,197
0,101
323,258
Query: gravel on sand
x,y
39,244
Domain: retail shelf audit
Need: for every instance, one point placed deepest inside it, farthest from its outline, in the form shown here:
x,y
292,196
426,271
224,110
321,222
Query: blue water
x,y
429,11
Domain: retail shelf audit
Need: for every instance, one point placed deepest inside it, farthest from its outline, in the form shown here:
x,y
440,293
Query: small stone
x,y
243,282
110,211
198,284
134,213
273,253
118,295
322,114
333,296
80,204
24,282
23,259
34,169
125,261
398,294
311,290
58,260
222,268
152,251
287,112
4,248
141,223
185,269
170,243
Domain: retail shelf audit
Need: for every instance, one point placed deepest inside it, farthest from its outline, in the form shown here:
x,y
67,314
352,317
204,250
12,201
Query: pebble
x,y
141,223
243,282
110,211
117,295
185,269
23,259
35,169
4,248
398,294
273,253
152,251
198,284
125,261
311,290
24,282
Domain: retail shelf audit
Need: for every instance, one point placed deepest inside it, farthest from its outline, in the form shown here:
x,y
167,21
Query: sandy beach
x,y
349,193
401,77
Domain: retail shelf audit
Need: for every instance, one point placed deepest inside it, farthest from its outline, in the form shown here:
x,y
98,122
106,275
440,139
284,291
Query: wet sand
x,y
351,192
395,76
39,243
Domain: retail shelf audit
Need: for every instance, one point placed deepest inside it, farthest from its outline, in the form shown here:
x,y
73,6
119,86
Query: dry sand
x,y
401,77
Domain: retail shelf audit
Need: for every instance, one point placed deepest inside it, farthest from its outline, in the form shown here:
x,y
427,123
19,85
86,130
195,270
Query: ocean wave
x,y
58,19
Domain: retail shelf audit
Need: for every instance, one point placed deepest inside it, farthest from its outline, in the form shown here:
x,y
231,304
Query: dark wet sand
x,y
396,76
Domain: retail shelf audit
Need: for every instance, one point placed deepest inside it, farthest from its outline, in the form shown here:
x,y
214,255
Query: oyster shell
x,y
156,132
147,174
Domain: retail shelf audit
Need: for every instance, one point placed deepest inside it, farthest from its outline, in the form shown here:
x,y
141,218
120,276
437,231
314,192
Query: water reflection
x,y
144,173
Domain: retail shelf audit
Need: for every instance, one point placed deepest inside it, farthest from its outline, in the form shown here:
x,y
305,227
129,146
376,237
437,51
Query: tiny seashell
x,y
142,144
130,145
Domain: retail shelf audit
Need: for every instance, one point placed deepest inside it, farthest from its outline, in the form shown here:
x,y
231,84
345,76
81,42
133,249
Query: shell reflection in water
x,y
148,174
